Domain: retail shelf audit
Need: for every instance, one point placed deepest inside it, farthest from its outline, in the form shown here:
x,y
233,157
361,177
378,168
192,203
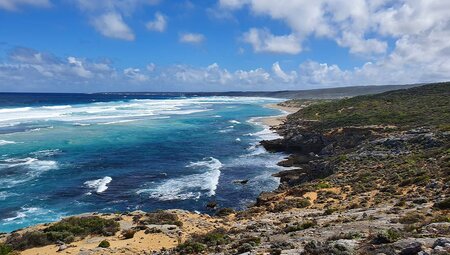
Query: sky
x,y
220,45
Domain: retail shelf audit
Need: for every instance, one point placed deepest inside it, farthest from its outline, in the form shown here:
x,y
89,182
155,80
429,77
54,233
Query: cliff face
x,y
368,175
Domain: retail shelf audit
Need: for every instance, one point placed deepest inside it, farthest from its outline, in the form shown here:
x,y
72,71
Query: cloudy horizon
x,y
223,45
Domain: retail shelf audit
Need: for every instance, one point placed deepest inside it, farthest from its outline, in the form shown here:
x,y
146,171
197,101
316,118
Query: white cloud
x,y
14,5
232,4
30,70
192,38
112,25
107,16
159,24
126,7
151,67
289,78
263,41
78,68
362,26
135,74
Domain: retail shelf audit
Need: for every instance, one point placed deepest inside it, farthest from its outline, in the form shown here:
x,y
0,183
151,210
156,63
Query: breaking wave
x,y
99,185
190,186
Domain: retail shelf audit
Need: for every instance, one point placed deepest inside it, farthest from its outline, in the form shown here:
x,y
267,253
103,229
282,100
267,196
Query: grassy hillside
x,y
428,105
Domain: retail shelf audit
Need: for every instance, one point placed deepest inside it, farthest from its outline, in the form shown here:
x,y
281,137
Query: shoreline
x,y
275,121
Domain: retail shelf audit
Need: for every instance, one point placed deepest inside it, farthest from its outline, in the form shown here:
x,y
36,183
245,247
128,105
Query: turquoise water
x,y
122,155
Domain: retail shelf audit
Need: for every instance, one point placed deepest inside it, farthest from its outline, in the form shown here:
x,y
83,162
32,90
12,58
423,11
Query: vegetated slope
x,y
428,105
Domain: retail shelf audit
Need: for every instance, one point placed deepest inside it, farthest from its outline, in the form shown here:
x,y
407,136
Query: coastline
x,y
275,121
162,236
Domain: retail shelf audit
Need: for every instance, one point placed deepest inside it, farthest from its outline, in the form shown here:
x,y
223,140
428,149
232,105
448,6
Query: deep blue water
x,y
75,153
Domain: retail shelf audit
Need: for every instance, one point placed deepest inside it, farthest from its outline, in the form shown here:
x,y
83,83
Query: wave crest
x,y
190,186
100,185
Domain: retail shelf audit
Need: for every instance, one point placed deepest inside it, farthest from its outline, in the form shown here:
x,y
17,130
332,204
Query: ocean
x,y
66,154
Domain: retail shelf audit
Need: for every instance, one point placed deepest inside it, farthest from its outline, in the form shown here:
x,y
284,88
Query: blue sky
x,y
161,45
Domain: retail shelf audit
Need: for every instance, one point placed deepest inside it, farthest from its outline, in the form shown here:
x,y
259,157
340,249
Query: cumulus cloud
x,y
107,16
112,25
263,41
31,70
362,26
159,24
276,68
192,38
14,5
135,74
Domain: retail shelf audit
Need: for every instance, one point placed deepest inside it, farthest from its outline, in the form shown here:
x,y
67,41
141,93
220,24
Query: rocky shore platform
x,y
367,175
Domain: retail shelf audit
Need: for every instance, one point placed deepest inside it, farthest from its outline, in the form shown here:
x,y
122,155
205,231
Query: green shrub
x,y
162,218
191,248
300,226
83,226
5,249
348,236
411,218
104,244
212,238
292,203
66,231
323,185
329,211
388,236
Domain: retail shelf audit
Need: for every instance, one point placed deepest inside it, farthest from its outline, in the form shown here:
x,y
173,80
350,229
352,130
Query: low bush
x,y
5,249
388,236
411,218
67,230
348,236
300,226
104,244
162,218
190,247
83,226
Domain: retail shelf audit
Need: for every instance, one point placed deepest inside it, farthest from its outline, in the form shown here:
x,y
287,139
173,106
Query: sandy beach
x,y
275,121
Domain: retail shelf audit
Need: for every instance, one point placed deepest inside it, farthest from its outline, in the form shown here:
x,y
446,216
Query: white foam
x,y
238,139
266,133
46,153
9,110
98,112
234,122
118,122
100,185
32,163
190,186
57,107
4,195
5,142
30,212
30,168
